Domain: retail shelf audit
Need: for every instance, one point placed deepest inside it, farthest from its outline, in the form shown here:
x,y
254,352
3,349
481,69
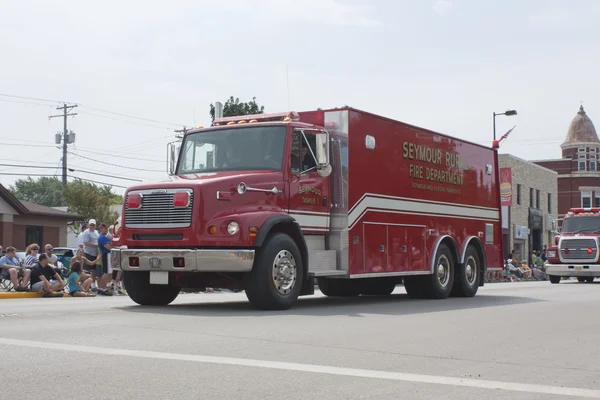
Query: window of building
x,y
518,194
581,164
581,150
593,164
531,197
33,234
586,199
550,203
597,199
592,149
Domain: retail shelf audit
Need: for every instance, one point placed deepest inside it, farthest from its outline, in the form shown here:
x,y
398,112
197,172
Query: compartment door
x,y
375,248
417,257
398,248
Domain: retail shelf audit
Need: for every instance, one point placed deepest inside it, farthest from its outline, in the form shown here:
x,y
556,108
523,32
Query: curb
x,y
24,295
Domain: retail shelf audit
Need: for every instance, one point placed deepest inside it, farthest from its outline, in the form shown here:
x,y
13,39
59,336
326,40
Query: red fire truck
x,y
269,202
575,251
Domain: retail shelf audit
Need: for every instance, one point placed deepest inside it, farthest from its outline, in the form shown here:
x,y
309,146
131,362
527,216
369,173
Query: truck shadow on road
x,y
396,304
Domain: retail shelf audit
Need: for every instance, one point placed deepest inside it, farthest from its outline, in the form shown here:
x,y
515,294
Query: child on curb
x,y
76,289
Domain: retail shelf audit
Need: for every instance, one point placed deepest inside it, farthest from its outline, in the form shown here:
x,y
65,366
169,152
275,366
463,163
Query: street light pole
x,y
508,113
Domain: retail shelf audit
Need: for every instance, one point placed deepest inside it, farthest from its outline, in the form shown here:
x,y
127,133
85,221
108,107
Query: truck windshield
x,y
235,149
581,224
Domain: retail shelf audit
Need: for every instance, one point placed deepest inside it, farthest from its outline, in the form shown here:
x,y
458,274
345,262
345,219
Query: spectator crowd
x,y
517,270
87,273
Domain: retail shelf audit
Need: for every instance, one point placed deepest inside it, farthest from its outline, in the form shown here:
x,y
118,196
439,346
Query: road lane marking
x,y
318,369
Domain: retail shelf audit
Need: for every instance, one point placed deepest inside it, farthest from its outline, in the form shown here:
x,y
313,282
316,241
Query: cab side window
x,y
301,158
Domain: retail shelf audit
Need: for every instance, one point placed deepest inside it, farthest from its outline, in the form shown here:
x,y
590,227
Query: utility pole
x,y
66,139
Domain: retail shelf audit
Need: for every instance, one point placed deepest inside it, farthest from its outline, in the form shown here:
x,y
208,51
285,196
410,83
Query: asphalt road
x,y
512,341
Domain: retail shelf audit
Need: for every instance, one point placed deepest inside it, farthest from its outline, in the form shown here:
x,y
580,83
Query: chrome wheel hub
x,y
471,270
284,272
443,271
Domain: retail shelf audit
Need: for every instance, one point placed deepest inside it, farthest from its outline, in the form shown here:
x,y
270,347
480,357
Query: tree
x,y
115,199
45,191
90,201
233,107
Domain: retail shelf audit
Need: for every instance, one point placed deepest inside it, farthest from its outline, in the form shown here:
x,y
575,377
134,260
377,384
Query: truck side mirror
x,y
322,154
172,152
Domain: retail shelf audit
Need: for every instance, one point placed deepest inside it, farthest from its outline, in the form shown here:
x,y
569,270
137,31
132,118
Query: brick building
x,y
578,171
23,223
529,209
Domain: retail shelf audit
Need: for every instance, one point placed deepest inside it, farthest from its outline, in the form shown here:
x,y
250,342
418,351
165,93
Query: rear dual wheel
x,y
588,279
437,285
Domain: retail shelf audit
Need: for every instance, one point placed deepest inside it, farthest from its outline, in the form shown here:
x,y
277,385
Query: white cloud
x,y
443,7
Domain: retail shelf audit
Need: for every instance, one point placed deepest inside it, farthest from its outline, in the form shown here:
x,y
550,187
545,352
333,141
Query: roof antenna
x,y
287,80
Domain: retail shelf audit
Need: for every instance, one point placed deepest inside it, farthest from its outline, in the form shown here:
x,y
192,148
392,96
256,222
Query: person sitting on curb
x,y
77,289
11,268
41,279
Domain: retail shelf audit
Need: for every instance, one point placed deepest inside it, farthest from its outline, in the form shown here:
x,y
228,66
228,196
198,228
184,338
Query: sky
x,y
138,71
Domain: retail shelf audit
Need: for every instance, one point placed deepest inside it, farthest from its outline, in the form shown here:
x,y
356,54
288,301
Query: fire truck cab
x,y
267,203
576,251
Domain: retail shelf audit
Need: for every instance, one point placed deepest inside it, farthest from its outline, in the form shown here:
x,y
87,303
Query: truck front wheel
x,y
276,279
581,279
589,279
142,292
554,279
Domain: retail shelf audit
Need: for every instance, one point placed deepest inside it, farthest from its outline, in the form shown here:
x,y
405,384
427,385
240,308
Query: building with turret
x,y
578,170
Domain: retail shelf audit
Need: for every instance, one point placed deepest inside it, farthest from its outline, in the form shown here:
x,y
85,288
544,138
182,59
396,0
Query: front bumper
x,y
195,260
573,270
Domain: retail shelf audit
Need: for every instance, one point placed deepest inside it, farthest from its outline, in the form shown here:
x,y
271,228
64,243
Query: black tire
x,y
439,284
581,279
376,287
554,279
466,277
414,286
589,279
339,287
279,253
142,292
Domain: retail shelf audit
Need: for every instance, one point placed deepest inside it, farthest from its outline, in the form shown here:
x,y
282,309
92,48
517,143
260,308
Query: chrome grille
x,y
578,249
157,211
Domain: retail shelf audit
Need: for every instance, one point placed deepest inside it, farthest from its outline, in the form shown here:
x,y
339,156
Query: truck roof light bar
x,y
291,116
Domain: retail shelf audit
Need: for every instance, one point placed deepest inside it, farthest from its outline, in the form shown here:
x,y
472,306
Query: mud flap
x,y
308,287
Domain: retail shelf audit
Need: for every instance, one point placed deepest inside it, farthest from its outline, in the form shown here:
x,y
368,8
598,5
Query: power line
x,y
25,102
72,170
113,165
119,156
123,120
28,145
90,107
31,98
129,116
99,183
105,175
28,166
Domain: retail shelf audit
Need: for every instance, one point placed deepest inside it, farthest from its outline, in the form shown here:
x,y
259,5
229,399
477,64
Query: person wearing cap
x,y
90,248
104,271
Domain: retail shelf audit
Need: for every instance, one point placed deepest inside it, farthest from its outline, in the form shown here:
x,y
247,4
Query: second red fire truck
x,y
269,202
576,251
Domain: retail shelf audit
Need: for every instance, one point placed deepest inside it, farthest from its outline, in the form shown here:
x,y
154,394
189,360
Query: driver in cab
x,y
302,160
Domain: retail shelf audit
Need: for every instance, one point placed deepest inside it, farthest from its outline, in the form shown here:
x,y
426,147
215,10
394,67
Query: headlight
x,y
552,253
233,228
